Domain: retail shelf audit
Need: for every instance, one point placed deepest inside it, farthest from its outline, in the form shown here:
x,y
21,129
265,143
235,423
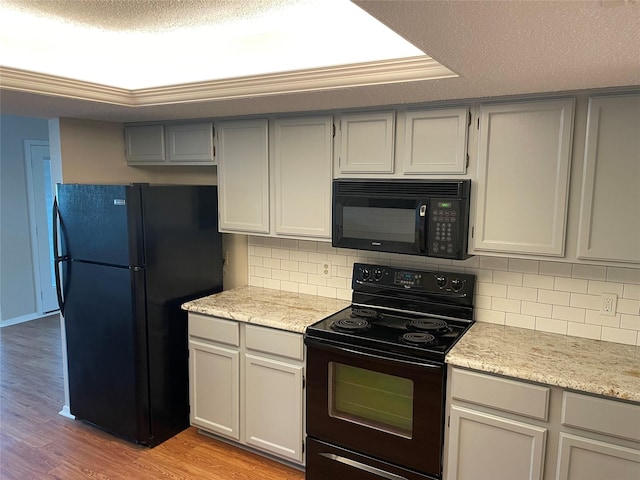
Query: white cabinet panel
x,y
243,176
273,406
487,447
436,141
585,459
610,202
523,168
214,378
302,180
367,143
190,144
144,144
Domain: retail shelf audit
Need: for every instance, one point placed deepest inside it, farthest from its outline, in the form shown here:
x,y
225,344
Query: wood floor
x,y
37,443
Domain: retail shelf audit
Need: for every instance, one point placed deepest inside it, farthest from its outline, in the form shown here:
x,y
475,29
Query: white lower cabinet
x,y
246,384
586,459
273,410
501,428
215,404
483,446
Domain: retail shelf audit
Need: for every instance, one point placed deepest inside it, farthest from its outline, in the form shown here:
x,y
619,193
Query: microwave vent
x,y
415,189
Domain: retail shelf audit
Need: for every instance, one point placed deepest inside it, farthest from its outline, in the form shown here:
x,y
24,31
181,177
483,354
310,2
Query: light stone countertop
x,y
271,308
580,364
592,366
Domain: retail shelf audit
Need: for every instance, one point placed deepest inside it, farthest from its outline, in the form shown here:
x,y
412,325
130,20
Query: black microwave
x,y
418,217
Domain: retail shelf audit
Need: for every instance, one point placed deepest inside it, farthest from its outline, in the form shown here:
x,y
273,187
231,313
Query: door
x,y
106,347
40,188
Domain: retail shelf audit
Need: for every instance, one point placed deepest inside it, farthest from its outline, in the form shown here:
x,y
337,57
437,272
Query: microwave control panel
x,y
444,227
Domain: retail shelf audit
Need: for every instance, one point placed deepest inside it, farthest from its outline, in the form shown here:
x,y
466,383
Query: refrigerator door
x,y
101,223
106,347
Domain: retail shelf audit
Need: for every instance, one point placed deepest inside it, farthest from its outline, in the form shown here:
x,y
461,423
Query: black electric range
x,y
406,312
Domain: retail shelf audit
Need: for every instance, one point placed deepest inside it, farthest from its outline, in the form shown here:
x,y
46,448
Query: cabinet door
x,y
584,459
367,143
610,202
273,406
144,144
435,141
243,176
302,183
190,144
523,171
214,388
486,447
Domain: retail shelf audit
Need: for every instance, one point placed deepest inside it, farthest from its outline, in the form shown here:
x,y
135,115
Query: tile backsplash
x,y
549,296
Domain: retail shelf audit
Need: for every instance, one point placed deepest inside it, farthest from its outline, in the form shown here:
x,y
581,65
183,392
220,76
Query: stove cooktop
x,y
412,335
412,313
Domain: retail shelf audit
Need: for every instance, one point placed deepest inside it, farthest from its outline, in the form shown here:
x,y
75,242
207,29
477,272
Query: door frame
x,y
31,198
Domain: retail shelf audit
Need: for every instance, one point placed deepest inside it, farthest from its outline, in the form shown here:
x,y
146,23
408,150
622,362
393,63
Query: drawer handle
x,y
361,466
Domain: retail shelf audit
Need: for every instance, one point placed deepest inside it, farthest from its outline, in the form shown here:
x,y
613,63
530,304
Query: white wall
x,y
553,297
17,284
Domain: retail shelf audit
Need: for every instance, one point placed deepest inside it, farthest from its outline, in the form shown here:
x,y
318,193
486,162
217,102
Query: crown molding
x,y
356,75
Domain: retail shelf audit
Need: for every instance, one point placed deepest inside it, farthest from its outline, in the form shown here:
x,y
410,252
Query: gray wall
x,y
17,286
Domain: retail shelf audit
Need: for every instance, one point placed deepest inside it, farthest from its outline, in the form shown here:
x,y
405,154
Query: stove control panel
x,y
366,276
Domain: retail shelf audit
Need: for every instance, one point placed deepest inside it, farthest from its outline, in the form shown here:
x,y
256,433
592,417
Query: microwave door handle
x,y
423,213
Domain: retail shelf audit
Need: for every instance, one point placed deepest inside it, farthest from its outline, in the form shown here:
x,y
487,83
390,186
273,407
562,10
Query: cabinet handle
x,y
361,466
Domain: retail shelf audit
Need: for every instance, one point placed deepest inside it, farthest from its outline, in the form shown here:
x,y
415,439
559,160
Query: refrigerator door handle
x,y
56,255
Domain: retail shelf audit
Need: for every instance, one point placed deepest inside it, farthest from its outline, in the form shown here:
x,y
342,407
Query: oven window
x,y
370,398
384,224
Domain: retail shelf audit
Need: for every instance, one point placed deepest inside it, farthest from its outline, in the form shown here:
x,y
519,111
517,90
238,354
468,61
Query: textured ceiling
x,y
150,15
499,48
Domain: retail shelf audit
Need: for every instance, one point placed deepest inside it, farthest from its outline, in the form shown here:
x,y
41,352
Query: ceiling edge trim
x,y
355,75
43,84
371,73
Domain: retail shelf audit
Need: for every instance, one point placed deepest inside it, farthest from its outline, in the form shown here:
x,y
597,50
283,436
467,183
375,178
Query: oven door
x,y
388,409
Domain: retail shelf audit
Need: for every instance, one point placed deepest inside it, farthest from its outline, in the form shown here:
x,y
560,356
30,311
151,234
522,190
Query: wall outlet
x,y
608,305
325,269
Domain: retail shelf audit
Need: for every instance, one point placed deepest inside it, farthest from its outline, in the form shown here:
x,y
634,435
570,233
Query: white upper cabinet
x,y
169,144
144,144
243,176
190,144
524,152
435,141
367,143
302,160
609,226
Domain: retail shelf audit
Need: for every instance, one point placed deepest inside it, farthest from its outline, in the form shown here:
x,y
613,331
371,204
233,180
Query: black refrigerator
x,y
129,256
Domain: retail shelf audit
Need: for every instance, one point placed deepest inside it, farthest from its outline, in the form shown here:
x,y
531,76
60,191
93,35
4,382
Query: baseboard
x,y
66,412
25,318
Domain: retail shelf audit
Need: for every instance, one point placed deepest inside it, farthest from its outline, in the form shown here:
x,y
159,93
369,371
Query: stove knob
x,y
456,284
441,280
377,273
365,273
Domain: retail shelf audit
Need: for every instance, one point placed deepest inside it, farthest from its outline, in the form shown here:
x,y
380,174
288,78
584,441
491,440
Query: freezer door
x,y
101,223
107,348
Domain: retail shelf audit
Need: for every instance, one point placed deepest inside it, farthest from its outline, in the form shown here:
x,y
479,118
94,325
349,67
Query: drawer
x,y
600,415
276,342
501,393
215,329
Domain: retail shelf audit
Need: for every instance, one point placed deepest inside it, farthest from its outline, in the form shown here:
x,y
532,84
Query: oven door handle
x,y
330,346
361,466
